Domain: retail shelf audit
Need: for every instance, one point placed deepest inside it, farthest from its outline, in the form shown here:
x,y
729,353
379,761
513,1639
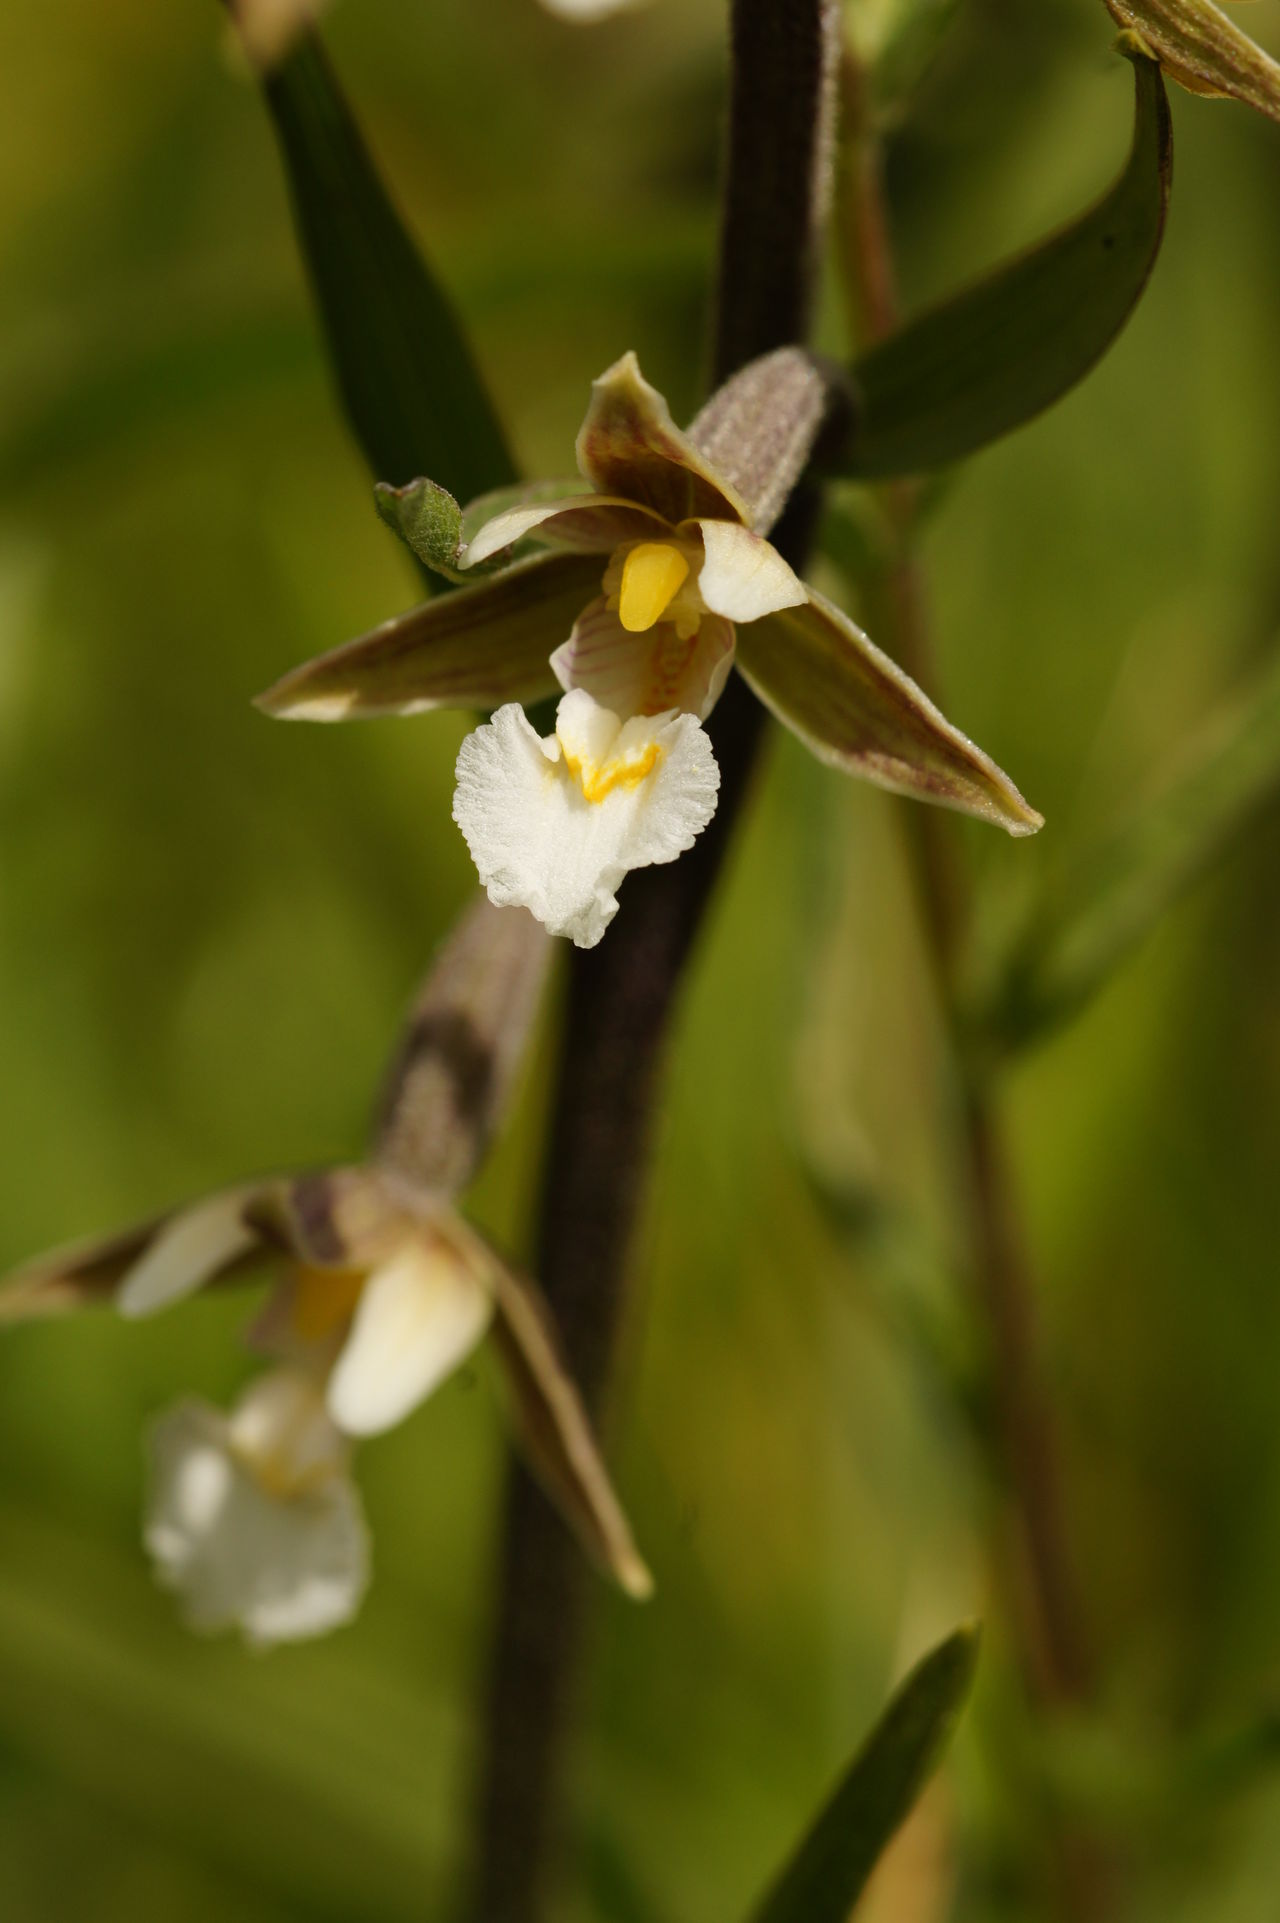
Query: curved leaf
x,y
411,390
829,1871
981,364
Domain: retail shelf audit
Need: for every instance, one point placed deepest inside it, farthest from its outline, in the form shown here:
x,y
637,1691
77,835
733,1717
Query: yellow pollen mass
x,y
323,1299
652,575
599,778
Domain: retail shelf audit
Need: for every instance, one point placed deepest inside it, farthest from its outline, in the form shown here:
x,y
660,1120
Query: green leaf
x,y
1102,907
829,1871
409,384
1203,50
981,364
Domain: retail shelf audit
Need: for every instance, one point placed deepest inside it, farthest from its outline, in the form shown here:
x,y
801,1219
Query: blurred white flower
x,y
269,29
253,1519
381,1290
588,9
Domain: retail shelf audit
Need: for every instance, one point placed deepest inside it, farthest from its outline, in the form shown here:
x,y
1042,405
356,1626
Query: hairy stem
x,y
621,994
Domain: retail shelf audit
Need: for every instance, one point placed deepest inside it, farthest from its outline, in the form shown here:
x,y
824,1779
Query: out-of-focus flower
x,y
270,29
669,555
253,1518
381,1291
588,9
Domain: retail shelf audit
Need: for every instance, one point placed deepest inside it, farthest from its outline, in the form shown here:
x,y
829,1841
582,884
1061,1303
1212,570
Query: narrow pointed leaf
x,y
462,1048
1203,50
989,360
829,1871
477,648
856,709
409,384
1102,908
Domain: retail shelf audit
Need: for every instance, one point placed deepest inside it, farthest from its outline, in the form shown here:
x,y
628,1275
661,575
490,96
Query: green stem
x,y
622,994
1032,1564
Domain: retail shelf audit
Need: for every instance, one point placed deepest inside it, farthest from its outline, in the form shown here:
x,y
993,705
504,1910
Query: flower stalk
x,y
621,995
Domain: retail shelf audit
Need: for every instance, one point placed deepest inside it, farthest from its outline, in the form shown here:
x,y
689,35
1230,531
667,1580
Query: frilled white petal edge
x,y
420,1315
645,673
189,1250
743,576
540,843
240,1550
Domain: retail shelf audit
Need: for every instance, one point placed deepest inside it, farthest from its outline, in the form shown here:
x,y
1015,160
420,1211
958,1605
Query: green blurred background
x,y
209,925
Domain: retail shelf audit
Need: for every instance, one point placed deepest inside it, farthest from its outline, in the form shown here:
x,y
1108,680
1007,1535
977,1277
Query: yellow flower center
x,y
323,1299
652,575
599,778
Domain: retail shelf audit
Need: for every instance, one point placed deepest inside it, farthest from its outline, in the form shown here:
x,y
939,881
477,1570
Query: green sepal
x,y
427,519
985,362
430,522
830,1869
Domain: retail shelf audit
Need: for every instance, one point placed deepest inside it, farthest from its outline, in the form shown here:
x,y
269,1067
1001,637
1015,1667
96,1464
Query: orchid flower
x,y
654,585
381,1290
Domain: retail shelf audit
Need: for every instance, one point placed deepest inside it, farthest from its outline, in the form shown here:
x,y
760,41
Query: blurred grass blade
x,y
980,365
1204,51
410,386
1114,896
830,1869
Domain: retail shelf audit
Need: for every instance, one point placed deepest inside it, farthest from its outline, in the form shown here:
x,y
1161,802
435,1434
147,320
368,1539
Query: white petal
x,y
538,841
646,673
743,575
282,1427
593,523
420,1315
279,1567
190,1249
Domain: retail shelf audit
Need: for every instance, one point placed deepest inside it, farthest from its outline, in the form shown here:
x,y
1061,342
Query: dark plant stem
x,y
621,994
1034,1565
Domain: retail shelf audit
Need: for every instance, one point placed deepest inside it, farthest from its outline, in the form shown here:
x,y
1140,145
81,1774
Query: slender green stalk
x,y
621,994
1031,1562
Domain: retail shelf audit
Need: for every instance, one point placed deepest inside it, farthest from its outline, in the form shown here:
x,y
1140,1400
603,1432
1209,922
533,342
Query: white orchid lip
x,y
253,1518
554,825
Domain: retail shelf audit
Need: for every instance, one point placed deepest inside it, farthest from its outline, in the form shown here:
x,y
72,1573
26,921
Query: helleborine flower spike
x,y
657,583
383,1289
